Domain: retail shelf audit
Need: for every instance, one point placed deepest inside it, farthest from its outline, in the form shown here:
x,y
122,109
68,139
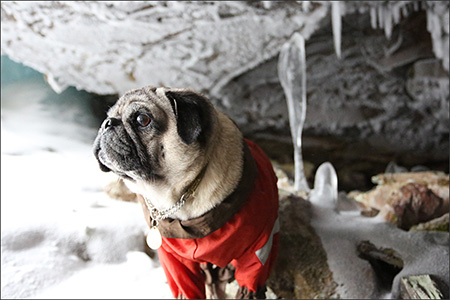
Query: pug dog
x,y
209,196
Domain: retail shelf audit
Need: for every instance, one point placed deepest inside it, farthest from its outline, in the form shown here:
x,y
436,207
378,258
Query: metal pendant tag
x,y
154,239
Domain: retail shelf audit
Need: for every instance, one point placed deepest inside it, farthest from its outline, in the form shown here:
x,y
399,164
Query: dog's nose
x,y
110,122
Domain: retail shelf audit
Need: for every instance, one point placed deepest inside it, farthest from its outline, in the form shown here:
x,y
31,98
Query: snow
x,y
61,235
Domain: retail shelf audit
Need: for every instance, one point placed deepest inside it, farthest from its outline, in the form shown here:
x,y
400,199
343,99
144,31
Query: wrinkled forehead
x,y
146,96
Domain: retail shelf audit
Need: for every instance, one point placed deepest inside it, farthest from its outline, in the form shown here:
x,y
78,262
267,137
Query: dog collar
x,y
157,215
154,239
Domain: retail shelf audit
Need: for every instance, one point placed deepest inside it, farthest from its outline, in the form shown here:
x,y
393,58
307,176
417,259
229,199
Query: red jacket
x,y
249,241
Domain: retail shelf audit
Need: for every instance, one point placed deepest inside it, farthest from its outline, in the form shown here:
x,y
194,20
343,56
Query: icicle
x,y
326,184
416,5
429,21
267,4
56,84
437,47
396,13
292,75
373,17
437,29
306,6
445,58
361,10
387,22
337,26
405,11
381,15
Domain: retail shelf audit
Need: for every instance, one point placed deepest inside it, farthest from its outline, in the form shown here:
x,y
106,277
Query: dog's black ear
x,y
193,113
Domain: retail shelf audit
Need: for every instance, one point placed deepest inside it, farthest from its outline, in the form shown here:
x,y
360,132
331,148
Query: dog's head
x,y
155,134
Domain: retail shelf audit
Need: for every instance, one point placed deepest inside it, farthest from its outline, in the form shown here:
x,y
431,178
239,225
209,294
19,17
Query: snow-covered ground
x,y
61,235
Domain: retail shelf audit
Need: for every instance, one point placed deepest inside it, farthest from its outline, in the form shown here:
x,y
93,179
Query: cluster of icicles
x,y
386,15
292,75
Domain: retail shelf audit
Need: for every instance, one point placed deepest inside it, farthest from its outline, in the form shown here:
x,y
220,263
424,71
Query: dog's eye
x,y
143,120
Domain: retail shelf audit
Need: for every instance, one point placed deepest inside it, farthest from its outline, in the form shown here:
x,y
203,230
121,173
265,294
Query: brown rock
x,y
301,271
407,199
415,204
428,177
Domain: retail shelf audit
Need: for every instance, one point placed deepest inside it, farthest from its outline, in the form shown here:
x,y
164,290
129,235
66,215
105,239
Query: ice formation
x,y
292,75
383,16
306,5
326,184
387,15
337,26
387,23
439,32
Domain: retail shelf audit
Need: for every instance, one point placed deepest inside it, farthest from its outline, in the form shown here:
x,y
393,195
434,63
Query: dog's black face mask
x,y
132,140
117,149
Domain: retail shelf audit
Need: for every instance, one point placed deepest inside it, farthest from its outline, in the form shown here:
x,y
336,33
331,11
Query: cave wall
x,y
364,110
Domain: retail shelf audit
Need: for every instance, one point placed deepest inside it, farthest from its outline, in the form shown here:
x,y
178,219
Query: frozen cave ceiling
x,y
110,47
386,98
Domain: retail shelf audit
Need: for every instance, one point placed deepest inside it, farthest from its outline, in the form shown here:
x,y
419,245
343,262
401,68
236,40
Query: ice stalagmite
x,y
292,75
337,26
325,185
